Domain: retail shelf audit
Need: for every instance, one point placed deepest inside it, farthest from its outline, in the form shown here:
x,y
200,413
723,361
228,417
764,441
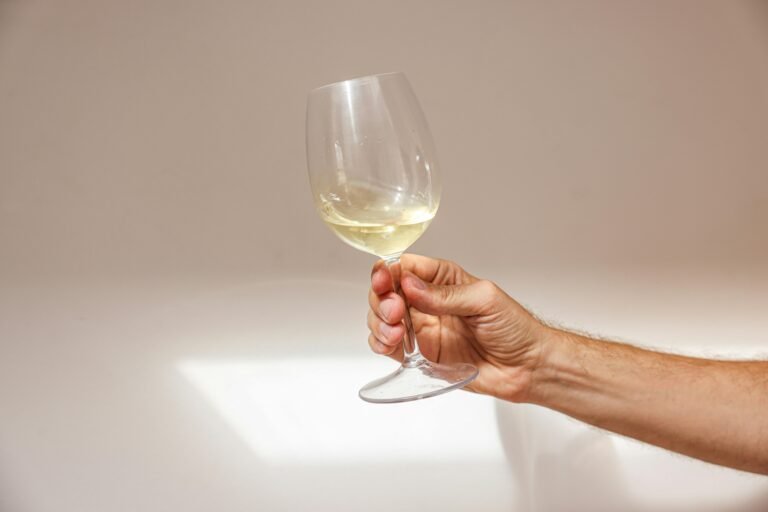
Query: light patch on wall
x,y
307,412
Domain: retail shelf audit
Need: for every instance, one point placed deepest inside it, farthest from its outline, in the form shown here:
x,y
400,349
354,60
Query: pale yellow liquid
x,y
377,221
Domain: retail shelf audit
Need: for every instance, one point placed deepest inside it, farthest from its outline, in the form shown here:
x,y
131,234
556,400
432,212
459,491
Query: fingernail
x,y
386,330
416,282
386,307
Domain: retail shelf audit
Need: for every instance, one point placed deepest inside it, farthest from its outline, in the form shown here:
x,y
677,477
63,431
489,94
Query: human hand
x,y
457,318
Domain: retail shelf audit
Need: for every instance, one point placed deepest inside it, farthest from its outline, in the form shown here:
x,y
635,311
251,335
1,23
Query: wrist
x,y
555,347
524,380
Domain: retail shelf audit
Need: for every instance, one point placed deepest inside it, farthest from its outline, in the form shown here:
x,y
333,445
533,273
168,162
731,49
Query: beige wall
x,y
151,139
604,161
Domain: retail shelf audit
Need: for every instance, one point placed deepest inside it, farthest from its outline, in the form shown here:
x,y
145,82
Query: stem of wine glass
x,y
411,353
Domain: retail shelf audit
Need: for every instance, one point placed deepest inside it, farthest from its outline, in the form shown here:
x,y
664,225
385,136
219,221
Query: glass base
x,y
416,381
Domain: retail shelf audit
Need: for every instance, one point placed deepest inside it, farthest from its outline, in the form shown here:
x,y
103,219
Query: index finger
x,y
381,278
434,270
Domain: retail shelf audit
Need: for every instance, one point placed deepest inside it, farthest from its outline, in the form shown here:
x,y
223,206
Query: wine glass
x,y
375,182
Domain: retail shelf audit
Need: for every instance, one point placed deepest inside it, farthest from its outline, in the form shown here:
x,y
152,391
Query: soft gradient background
x,y
178,331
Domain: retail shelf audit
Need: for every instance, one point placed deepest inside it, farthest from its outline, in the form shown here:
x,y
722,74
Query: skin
x,y
712,410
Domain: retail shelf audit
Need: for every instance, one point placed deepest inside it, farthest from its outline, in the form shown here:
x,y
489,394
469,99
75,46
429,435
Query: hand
x,y
457,319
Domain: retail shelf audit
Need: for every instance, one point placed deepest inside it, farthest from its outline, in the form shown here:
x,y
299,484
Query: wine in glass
x,y
375,182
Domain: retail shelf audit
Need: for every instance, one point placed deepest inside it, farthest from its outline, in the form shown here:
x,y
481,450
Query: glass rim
x,y
359,79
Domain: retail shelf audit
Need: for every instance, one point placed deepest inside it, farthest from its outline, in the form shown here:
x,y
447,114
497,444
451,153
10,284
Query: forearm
x,y
712,410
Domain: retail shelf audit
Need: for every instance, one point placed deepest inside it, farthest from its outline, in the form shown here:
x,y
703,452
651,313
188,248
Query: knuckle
x,y
487,288
373,343
450,264
453,272
447,270
489,294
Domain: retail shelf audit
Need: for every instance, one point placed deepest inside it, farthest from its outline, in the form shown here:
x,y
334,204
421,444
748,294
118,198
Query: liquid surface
x,y
379,221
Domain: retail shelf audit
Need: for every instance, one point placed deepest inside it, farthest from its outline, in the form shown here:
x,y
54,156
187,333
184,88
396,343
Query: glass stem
x,y
411,353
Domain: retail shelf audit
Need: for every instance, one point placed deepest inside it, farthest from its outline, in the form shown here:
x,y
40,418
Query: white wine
x,y
382,240
378,221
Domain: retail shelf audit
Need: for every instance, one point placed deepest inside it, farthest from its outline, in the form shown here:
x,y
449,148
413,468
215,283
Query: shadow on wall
x,y
564,466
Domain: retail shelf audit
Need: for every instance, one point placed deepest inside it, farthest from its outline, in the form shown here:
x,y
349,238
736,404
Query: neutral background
x,y
606,162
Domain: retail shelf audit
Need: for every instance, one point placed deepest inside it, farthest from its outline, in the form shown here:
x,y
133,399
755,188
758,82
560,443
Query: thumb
x,y
461,299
